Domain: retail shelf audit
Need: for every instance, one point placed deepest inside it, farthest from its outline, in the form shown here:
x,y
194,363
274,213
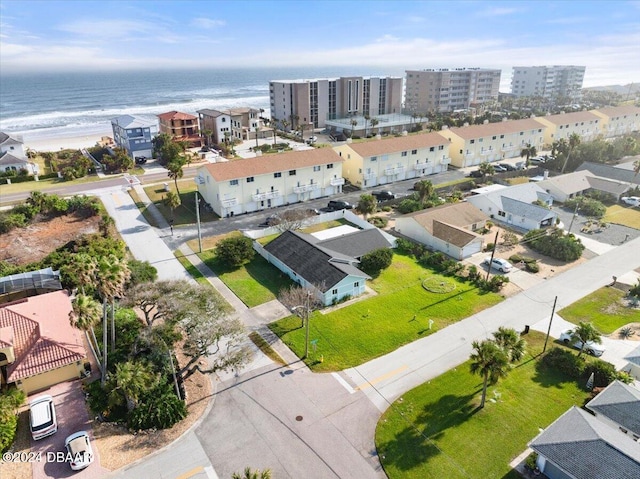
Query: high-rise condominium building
x,y
314,101
447,90
548,81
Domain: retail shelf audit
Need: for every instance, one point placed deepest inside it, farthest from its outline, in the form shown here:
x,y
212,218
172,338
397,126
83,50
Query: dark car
x,y
384,195
335,205
140,160
270,221
476,174
507,166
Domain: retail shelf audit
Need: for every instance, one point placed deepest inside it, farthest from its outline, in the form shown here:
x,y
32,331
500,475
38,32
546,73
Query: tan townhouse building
x,y
181,126
379,161
618,120
475,144
583,123
254,184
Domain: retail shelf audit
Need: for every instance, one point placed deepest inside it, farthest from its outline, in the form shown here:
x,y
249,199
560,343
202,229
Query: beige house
x,y
234,124
618,120
253,184
379,161
585,124
475,144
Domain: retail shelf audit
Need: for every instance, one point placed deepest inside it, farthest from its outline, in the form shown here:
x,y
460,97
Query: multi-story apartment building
x,y
181,126
135,134
236,123
447,90
583,123
472,145
253,184
311,102
381,161
551,82
618,120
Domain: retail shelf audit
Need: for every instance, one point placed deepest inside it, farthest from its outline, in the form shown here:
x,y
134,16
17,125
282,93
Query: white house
x,y
10,162
253,184
11,144
447,228
514,206
379,161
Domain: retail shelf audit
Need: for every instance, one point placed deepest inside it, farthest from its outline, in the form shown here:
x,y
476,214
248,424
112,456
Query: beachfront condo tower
x,y
550,82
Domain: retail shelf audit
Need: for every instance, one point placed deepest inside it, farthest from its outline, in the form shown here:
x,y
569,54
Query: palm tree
x,y
176,171
636,167
486,168
366,120
354,123
85,315
207,136
367,204
489,361
130,381
273,123
285,124
374,123
425,190
511,343
528,151
84,266
172,201
250,474
585,332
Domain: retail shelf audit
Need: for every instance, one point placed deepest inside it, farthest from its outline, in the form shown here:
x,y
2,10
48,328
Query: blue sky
x,y
90,35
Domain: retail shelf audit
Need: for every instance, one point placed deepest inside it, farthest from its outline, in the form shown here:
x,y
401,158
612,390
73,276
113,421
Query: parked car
x,y
475,174
79,450
140,160
270,221
311,140
42,417
335,205
507,166
499,169
591,348
537,160
500,264
384,195
631,200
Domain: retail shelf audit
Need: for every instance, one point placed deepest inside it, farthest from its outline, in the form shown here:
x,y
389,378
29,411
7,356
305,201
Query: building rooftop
x,y
492,129
176,115
130,121
568,118
390,145
620,403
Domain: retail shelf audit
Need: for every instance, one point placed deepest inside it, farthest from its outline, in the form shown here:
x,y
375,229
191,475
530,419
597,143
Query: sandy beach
x,y
56,143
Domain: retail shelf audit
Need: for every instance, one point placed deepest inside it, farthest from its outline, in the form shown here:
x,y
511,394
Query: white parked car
x,y
631,200
79,452
592,348
42,417
500,264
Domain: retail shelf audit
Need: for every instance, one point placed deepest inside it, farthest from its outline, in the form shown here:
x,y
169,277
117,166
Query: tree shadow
x,y
549,376
415,444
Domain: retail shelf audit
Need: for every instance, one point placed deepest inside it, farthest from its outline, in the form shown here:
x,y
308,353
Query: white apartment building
x,y
447,90
618,120
236,123
311,102
376,162
549,82
475,144
253,184
585,124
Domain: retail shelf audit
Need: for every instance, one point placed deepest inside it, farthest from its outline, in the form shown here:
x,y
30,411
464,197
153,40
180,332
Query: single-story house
x,y
10,162
515,206
580,446
38,346
300,256
622,172
358,243
447,228
634,363
619,406
564,187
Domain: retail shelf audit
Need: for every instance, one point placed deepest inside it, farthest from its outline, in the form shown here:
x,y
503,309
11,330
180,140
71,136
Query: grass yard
x,y
398,315
184,214
436,431
255,283
603,308
623,215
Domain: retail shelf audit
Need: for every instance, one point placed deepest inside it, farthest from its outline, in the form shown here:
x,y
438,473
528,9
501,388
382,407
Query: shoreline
x,y
63,142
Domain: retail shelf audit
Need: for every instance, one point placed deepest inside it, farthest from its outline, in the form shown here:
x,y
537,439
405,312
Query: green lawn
x,y
436,430
604,308
370,328
255,283
184,214
623,215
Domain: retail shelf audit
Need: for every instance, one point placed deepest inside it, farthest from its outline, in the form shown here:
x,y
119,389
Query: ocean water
x,y
38,106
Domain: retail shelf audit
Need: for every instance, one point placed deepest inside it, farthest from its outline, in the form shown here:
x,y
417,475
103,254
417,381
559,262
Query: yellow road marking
x,y
380,378
191,473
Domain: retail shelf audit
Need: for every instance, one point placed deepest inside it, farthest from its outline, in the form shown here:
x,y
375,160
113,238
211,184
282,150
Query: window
x,y
233,182
432,148
356,284
250,179
493,138
277,175
414,152
329,166
501,136
501,213
472,141
404,153
374,158
292,172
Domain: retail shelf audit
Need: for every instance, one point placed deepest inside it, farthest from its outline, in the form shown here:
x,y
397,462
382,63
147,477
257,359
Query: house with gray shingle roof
x,y
447,228
564,187
634,363
619,406
11,144
10,162
580,446
135,134
612,172
300,256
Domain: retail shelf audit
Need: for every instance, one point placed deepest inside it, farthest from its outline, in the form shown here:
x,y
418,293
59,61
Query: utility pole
x,y
198,221
573,217
550,321
493,252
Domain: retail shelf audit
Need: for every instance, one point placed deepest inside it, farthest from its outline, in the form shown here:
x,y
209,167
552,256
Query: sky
x,y
90,35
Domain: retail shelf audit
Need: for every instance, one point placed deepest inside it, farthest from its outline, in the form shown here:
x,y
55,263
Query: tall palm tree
x,y
511,343
172,201
354,123
175,171
489,361
85,315
250,474
528,151
374,123
273,123
130,381
425,190
84,266
585,332
366,121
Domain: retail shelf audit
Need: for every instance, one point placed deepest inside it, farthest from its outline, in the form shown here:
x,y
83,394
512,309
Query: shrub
x,y
556,244
472,273
635,290
564,361
532,267
378,221
509,239
603,372
409,206
141,272
489,246
434,260
159,409
11,221
374,262
386,209
406,246
587,206
10,401
235,251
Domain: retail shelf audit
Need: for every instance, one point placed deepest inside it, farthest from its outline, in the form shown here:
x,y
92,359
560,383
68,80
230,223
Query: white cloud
x,y
11,49
106,28
387,38
207,23
498,12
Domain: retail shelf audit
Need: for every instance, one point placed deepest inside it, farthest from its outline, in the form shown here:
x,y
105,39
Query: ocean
x,y
39,106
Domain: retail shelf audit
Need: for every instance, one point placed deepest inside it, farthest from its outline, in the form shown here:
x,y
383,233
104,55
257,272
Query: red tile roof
x,y
43,339
176,115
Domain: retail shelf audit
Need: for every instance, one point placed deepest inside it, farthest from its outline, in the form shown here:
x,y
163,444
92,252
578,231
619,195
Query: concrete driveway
x,y
73,416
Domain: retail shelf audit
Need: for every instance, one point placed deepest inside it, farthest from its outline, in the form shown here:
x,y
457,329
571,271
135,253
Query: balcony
x,y
305,188
487,152
337,181
368,176
421,166
229,202
445,161
266,196
508,148
398,170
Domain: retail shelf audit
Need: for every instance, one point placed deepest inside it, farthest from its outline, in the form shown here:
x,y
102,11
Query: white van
x,y
42,417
